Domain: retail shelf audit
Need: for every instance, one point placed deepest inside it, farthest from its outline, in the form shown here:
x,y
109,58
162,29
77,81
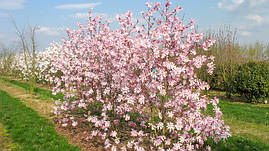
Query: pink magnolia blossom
x,y
145,69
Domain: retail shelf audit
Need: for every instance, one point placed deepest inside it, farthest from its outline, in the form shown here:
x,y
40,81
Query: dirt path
x,y
45,109
42,107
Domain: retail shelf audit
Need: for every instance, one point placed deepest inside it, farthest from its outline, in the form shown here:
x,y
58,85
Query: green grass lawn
x,y
6,143
43,93
248,122
249,127
245,112
28,129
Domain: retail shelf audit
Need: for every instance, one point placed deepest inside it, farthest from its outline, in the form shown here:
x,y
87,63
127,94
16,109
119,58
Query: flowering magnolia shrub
x,y
22,64
45,67
135,86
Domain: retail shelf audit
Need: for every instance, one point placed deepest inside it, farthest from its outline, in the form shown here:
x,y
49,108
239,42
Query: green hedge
x,y
252,81
221,76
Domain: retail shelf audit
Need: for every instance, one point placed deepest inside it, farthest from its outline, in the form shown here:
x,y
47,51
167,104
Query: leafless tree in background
x,y
27,39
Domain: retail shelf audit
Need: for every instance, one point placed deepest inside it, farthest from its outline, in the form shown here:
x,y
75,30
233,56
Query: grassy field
x,y
28,129
6,143
248,122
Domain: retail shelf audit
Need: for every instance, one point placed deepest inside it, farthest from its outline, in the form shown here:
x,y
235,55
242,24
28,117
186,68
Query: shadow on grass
x,y
222,96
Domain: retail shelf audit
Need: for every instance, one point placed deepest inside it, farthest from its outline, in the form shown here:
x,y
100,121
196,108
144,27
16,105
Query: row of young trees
x,y
26,66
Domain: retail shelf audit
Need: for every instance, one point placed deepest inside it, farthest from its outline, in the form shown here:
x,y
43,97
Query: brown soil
x,y
77,136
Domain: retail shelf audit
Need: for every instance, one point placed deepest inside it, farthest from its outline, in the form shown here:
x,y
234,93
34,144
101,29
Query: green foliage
x,y
252,81
31,131
222,76
228,56
228,78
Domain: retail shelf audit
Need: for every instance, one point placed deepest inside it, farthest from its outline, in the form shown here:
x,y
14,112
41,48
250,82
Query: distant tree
x,y
255,52
29,47
6,58
266,52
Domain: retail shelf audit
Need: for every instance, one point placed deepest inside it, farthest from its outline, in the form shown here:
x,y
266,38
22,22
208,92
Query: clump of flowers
x,y
22,64
46,69
136,86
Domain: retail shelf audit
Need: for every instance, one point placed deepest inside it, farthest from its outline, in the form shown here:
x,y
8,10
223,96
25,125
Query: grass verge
x,y
31,131
43,93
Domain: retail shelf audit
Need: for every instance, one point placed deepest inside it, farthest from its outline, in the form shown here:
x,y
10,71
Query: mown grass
x,y
236,109
248,122
26,128
245,112
43,93
6,144
252,131
237,143
249,125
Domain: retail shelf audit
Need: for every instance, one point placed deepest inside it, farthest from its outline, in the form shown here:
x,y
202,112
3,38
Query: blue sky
x,y
249,17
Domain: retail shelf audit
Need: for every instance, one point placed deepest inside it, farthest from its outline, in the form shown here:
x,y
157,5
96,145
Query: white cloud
x,y
256,18
247,5
12,4
4,14
237,1
78,6
51,31
220,4
230,5
245,33
254,3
